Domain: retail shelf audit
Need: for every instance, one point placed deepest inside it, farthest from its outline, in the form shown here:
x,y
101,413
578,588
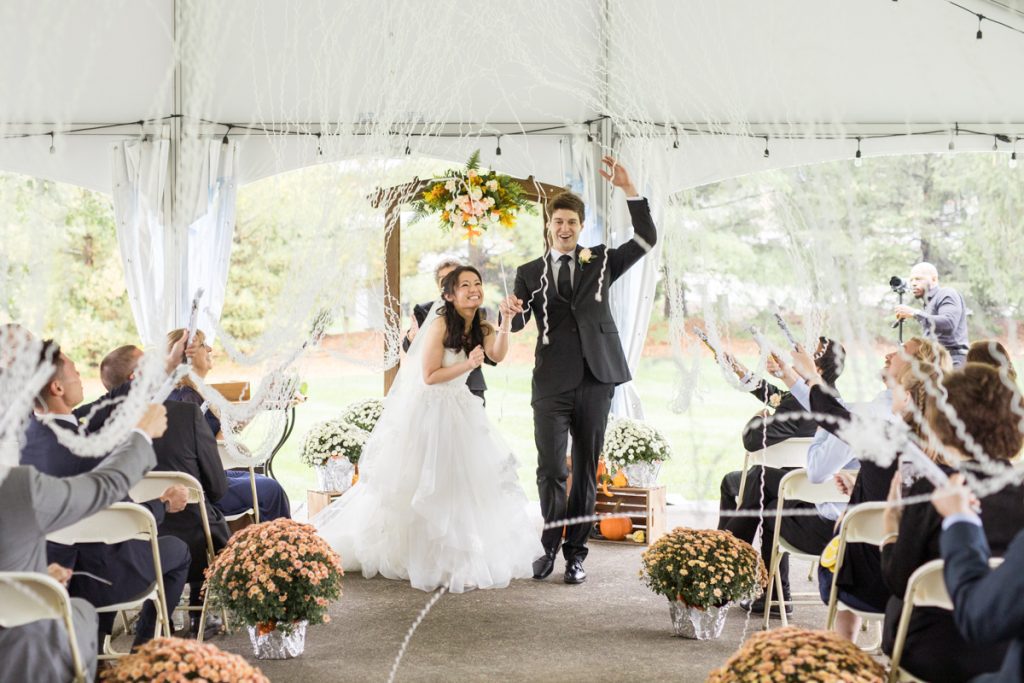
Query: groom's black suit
x,y
575,373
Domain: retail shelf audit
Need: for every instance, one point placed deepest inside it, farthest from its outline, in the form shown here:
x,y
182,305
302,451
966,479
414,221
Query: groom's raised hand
x,y
617,176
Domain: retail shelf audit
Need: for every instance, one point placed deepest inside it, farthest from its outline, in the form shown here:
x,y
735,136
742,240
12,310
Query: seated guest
x,y
986,602
273,501
128,566
988,410
33,505
189,447
762,487
991,352
858,584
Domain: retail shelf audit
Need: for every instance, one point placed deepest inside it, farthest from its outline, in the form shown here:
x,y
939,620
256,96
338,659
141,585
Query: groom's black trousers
x,y
583,412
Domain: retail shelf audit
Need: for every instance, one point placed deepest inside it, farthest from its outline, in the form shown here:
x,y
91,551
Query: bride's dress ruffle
x,y
438,502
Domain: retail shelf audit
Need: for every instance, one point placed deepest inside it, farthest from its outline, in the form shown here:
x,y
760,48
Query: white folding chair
x,y
788,453
31,596
118,523
152,486
862,523
794,486
231,462
925,588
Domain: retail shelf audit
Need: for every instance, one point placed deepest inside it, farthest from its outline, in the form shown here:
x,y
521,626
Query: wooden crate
x,y
318,500
645,507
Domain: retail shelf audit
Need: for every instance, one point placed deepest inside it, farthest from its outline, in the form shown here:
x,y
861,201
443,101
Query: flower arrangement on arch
x,y
364,414
473,201
333,439
795,655
703,568
275,574
177,659
628,442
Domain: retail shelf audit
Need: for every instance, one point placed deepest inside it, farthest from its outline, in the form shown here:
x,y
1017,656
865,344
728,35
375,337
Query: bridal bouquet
x,y
794,655
473,201
703,568
176,659
333,439
628,442
364,414
276,575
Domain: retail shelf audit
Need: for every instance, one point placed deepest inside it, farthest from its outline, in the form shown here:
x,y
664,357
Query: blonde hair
x,y
931,352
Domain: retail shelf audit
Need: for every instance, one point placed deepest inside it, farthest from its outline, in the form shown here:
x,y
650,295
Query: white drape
x,y
140,187
165,266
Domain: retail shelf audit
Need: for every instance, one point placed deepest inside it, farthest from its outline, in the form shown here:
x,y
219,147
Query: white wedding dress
x,y
438,501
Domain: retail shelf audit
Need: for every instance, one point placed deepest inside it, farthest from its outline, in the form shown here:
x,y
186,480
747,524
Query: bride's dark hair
x,y
454,323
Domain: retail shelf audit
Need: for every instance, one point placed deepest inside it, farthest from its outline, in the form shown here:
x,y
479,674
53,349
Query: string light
x,y
767,153
408,149
224,140
675,143
857,160
978,34
53,147
952,140
995,143
497,150
320,149
1013,154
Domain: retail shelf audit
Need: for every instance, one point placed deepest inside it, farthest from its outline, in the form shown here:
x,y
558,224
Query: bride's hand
x,y
476,357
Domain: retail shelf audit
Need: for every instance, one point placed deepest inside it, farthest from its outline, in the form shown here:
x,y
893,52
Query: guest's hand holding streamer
x,y
176,356
955,498
154,421
804,365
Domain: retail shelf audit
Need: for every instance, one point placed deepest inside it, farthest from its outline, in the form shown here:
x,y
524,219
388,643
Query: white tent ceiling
x,y
779,69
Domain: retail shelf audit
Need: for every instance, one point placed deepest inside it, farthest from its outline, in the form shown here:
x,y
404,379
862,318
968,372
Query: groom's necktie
x,y
564,277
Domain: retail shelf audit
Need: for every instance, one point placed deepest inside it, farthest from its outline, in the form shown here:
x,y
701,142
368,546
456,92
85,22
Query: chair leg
x,y
773,568
810,573
782,598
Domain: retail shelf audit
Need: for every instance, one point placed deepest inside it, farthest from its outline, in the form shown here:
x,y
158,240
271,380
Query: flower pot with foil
x,y
642,474
335,474
698,623
271,641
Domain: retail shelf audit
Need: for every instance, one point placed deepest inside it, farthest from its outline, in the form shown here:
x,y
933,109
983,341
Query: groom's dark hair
x,y
565,200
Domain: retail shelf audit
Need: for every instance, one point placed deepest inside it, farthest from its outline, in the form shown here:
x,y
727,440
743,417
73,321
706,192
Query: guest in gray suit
x,y
33,505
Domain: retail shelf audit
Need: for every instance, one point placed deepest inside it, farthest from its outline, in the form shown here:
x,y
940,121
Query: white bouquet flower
x,y
628,442
333,439
363,414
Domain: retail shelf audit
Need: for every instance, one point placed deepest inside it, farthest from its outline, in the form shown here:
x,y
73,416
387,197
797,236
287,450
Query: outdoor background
x,y
735,247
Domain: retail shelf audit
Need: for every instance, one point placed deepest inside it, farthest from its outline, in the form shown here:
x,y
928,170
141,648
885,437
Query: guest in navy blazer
x,y
128,566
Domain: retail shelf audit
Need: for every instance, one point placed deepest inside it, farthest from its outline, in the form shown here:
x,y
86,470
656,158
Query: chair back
x,y
155,483
796,486
788,453
33,596
865,523
927,588
118,523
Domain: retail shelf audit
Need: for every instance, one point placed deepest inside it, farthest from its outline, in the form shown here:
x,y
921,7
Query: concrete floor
x,y
612,628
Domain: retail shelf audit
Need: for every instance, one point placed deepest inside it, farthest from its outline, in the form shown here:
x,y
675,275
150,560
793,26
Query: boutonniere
x,y
585,256
775,400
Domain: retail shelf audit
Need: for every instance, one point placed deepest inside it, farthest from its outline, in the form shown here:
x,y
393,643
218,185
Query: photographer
x,y
944,316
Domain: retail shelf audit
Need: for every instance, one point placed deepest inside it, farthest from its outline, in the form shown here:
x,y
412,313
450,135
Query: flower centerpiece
x,y
637,449
472,201
701,572
177,659
333,449
364,414
277,577
795,655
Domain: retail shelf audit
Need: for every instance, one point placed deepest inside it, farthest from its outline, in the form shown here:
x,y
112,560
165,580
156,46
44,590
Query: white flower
x,y
450,186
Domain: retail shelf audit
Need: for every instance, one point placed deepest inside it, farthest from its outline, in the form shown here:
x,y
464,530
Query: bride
x,y
438,501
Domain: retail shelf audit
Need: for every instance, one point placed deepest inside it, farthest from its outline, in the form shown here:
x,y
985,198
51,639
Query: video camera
x,y
898,284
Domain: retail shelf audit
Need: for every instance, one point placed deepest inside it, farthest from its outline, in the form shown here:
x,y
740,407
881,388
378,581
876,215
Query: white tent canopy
x,y
788,68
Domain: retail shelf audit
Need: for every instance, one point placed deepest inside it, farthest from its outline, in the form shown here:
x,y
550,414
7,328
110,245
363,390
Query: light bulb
x,y
1013,160
53,148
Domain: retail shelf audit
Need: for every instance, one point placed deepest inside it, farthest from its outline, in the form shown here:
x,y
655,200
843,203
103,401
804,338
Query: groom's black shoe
x,y
574,572
544,565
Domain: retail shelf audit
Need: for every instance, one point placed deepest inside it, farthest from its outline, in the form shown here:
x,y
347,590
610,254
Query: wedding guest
x,y
475,380
943,315
32,505
991,352
858,584
189,447
762,486
125,569
986,607
273,501
988,409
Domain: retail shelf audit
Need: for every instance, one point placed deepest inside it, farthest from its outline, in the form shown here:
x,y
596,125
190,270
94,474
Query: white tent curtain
x,y
140,185
210,234
632,296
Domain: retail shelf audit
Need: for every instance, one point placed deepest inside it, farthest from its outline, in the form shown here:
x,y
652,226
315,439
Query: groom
x,y
576,371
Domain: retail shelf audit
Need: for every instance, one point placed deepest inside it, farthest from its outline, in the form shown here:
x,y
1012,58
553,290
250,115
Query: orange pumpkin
x,y
616,528
620,480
